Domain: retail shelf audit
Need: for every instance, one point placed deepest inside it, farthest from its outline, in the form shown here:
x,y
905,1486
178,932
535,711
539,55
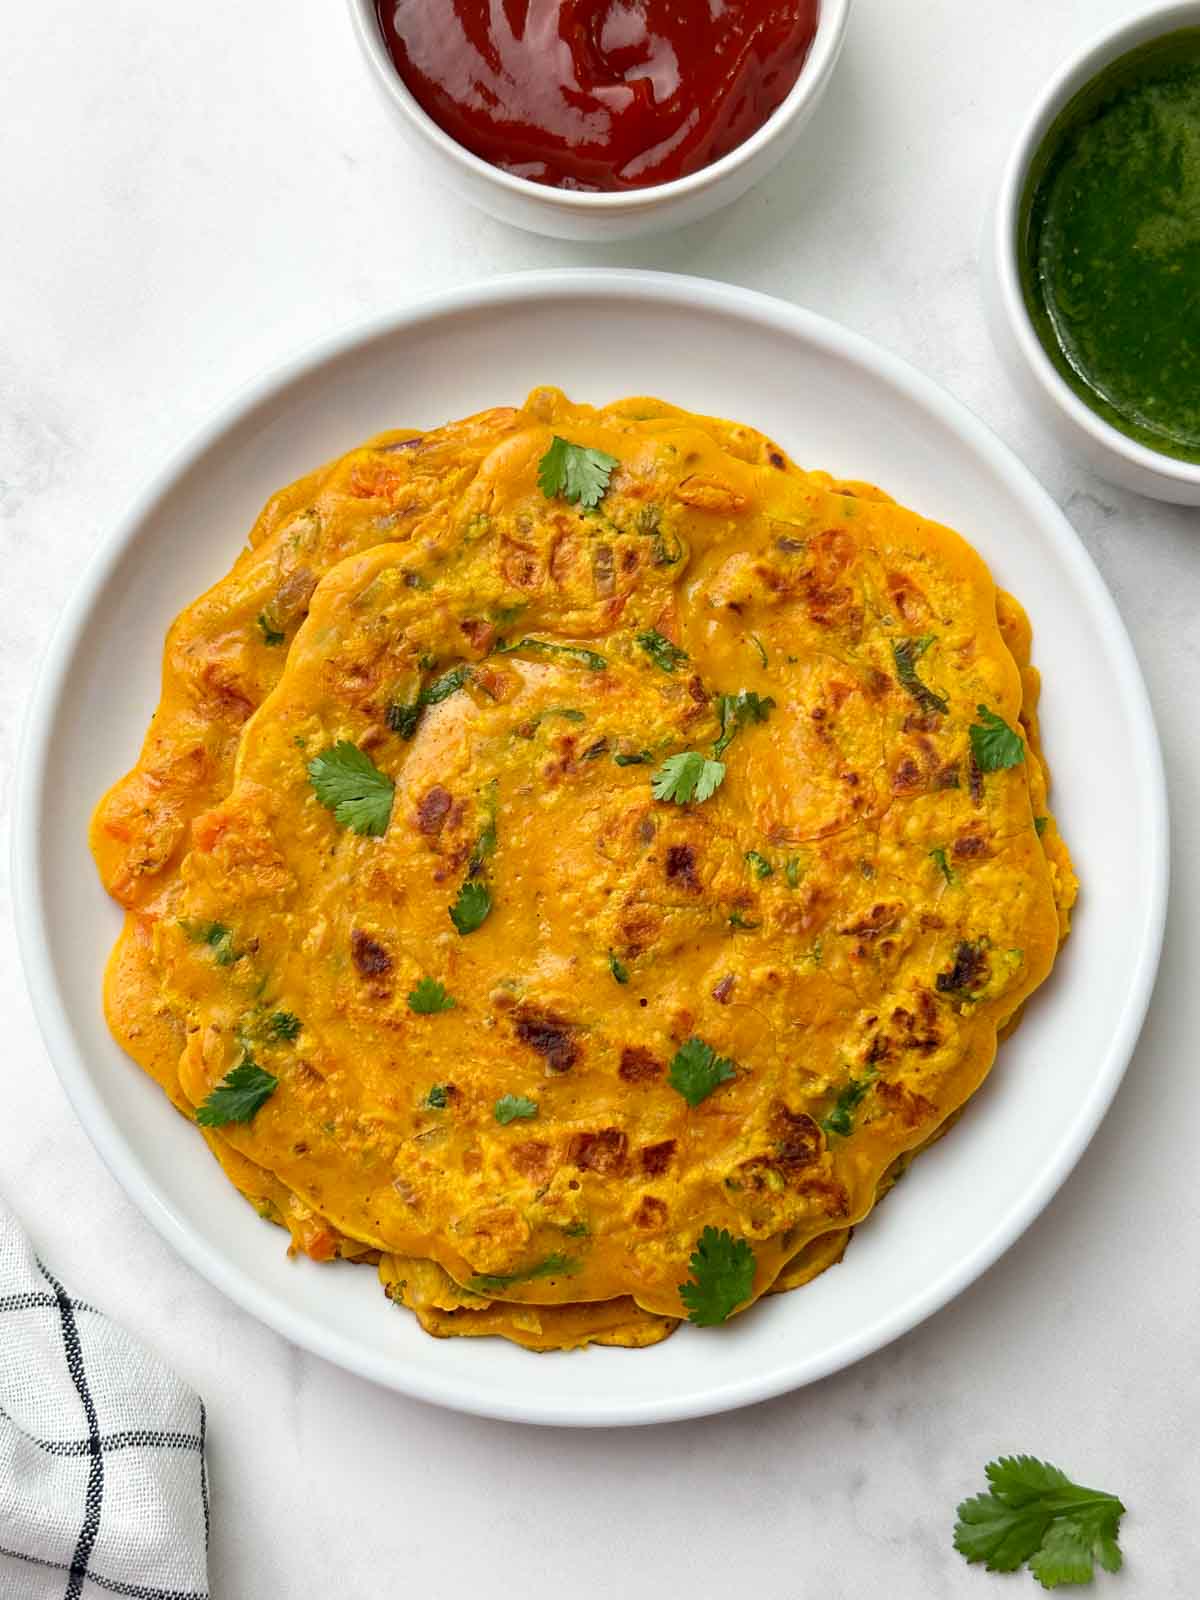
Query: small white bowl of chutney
x,y
1091,268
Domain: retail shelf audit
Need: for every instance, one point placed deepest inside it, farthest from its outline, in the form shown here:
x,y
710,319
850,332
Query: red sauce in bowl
x,y
599,94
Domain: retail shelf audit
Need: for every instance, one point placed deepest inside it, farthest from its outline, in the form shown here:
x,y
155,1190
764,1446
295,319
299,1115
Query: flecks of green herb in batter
x,y
758,864
906,653
940,857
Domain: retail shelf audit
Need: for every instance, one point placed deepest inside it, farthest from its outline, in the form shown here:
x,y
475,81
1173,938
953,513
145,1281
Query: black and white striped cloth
x,y
102,1476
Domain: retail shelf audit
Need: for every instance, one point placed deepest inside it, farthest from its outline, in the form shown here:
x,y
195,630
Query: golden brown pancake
x,y
846,922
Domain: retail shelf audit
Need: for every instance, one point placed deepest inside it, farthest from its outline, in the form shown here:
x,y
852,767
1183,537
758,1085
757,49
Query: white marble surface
x,y
188,196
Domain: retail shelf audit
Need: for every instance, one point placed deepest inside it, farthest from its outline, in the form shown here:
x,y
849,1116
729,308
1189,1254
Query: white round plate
x,y
833,401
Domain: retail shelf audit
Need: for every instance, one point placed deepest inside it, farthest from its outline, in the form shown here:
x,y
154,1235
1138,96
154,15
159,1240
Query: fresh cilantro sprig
x,y
575,473
1033,1513
510,1107
238,1096
471,908
348,783
736,711
429,997
994,745
665,655
556,1266
696,1070
722,1269
687,776
905,654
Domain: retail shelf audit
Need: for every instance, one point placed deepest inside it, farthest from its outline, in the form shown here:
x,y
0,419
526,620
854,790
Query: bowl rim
x,y
832,18
28,848
1114,41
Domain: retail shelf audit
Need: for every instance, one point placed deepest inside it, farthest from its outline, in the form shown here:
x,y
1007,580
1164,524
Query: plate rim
x,y
33,932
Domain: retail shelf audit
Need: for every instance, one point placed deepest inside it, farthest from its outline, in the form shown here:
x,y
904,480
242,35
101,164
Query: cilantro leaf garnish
x,y
270,635
282,1025
942,861
238,1096
1034,1513
555,1266
841,1119
348,783
618,968
662,652
736,711
993,743
758,864
696,1070
722,1269
687,776
575,472
511,1106
471,908
906,653
438,1097
573,652
428,997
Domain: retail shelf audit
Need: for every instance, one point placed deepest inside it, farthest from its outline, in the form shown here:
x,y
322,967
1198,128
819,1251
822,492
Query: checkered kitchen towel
x,y
102,1479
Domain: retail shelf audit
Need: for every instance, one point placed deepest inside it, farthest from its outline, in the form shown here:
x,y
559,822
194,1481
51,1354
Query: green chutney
x,y
1109,244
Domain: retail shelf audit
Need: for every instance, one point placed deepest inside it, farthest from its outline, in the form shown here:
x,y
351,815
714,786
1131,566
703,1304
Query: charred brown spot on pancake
x,y
680,866
433,809
974,780
798,1140
370,957
478,632
532,1159
652,1213
969,971
639,1065
602,1152
550,1035
913,1109
972,843
882,918
656,1158
919,1030
878,1050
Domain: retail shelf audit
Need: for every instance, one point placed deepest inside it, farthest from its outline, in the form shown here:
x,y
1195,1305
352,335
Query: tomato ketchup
x,y
599,94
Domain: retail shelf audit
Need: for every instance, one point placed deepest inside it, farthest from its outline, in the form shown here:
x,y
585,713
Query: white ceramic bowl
x,y
1111,453
565,214
832,400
